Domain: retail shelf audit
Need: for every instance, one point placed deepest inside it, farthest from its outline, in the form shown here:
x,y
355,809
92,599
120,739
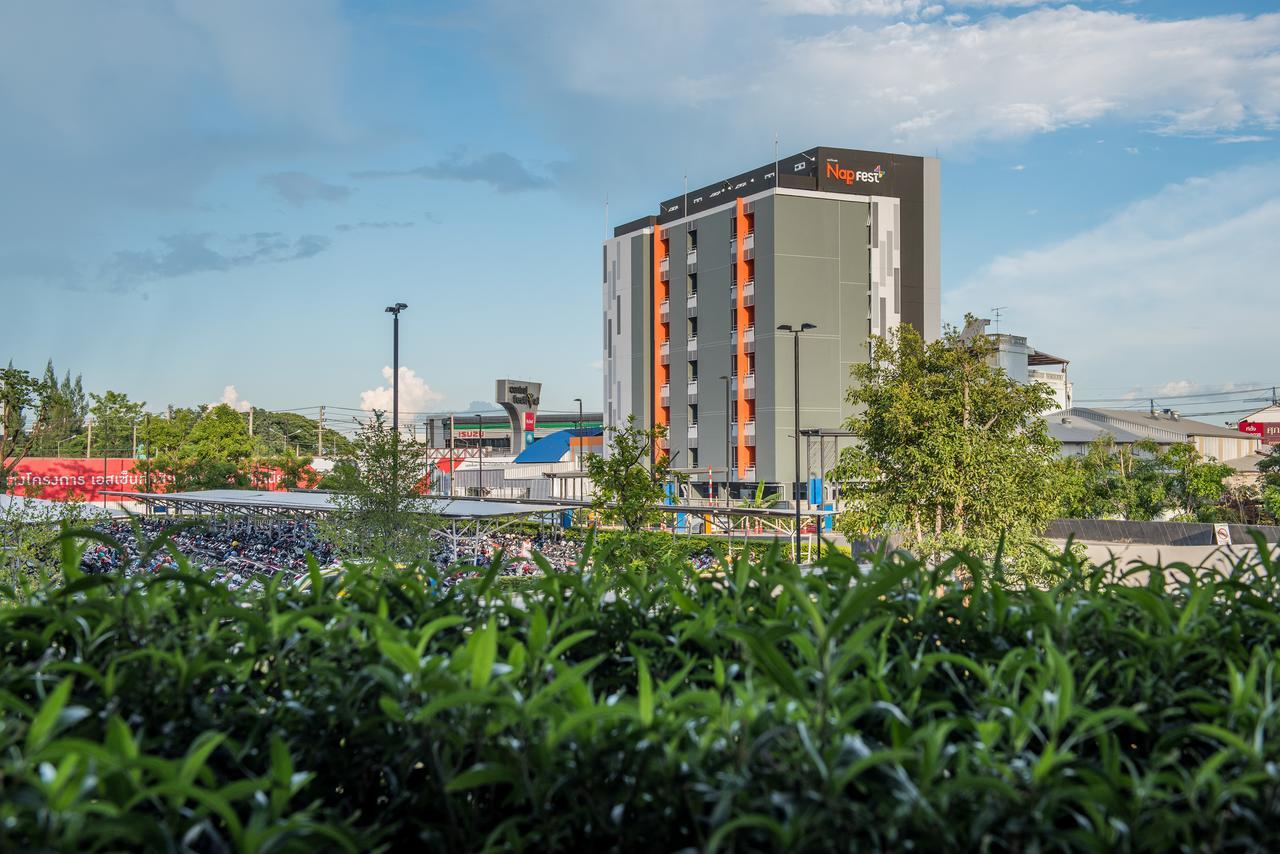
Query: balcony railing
x,y
749,292
693,347
749,433
692,257
749,340
733,247
664,264
691,305
665,352
666,394
693,436
665,310
749,387
749,242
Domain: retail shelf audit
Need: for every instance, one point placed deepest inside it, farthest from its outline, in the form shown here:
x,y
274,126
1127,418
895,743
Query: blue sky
x,y
200,195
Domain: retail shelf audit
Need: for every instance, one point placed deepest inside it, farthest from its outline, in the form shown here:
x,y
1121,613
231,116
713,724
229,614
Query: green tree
x,y
1196,485
1269,499
213,454
1115,480
951,452
20,394
382,511
114,417
628,488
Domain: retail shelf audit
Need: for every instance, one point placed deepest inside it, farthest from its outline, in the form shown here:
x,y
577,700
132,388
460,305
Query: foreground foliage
x,y
754,708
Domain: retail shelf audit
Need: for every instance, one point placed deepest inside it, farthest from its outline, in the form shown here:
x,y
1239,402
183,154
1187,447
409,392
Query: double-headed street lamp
x,y
795,334
394,311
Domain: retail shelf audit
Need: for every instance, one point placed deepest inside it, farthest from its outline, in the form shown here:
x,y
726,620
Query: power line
x,y
1136,398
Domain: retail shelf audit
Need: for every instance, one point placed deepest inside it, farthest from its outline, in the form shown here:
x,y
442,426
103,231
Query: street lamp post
x,y
578,400
728,455
795,336
394,311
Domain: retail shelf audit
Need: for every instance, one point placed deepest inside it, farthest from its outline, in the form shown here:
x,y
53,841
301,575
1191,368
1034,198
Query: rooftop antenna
x,y
606,216
777,182
996,311
685,212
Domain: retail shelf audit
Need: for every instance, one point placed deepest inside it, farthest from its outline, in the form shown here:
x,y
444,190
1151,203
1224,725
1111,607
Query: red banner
x,y
61,479
1267,431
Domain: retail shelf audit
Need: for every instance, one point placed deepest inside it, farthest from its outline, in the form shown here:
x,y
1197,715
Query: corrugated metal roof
x,y
1070,429
449,508
1144,422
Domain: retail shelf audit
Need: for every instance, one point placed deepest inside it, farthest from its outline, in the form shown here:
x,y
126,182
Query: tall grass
x,y
758,708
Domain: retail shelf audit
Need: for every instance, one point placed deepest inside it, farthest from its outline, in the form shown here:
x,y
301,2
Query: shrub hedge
x,y
766,708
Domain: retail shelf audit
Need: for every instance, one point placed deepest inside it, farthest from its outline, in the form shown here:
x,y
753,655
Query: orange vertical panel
x,y
660,371
741,311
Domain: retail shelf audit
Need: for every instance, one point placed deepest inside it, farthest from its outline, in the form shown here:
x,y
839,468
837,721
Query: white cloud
x,y
1234,140
914,84
1176,387
1018,168
415,394
232,398
895,8
1177,284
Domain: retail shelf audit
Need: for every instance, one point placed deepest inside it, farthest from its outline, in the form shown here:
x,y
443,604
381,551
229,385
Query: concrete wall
x,y
822,260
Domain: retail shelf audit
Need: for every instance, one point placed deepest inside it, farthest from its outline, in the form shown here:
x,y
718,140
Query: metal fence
x,y
1154,533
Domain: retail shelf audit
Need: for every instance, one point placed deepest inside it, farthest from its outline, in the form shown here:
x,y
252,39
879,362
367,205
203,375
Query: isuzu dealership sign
x,y
1267,431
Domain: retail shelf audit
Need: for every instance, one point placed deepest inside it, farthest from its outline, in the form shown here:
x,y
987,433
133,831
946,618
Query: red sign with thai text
x,y
62,479
530,421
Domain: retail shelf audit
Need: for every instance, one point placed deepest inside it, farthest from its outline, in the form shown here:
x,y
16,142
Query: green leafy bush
x,y
759,708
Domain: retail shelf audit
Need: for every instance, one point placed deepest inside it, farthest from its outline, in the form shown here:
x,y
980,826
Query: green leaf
x,y
645,693
42,728
482,774
484,653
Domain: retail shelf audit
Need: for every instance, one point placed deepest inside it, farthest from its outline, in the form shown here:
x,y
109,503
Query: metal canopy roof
x,y
323,502
37,509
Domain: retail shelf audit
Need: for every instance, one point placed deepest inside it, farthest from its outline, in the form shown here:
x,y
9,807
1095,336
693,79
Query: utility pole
x,y
250,420
88,445
579,402
480,444
148,449
135,440
453,460
320,435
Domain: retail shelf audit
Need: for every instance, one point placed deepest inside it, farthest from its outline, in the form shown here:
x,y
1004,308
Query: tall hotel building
x,y
847,240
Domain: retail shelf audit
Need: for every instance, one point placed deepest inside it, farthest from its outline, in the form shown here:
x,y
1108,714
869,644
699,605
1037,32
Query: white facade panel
x,y
616,343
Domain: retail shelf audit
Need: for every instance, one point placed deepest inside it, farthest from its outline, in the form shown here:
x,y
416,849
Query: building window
x,y
693,327
693,284
693,371
692,241
693,414
693,458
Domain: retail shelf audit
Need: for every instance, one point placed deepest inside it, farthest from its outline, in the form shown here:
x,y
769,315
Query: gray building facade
x,y
692,297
